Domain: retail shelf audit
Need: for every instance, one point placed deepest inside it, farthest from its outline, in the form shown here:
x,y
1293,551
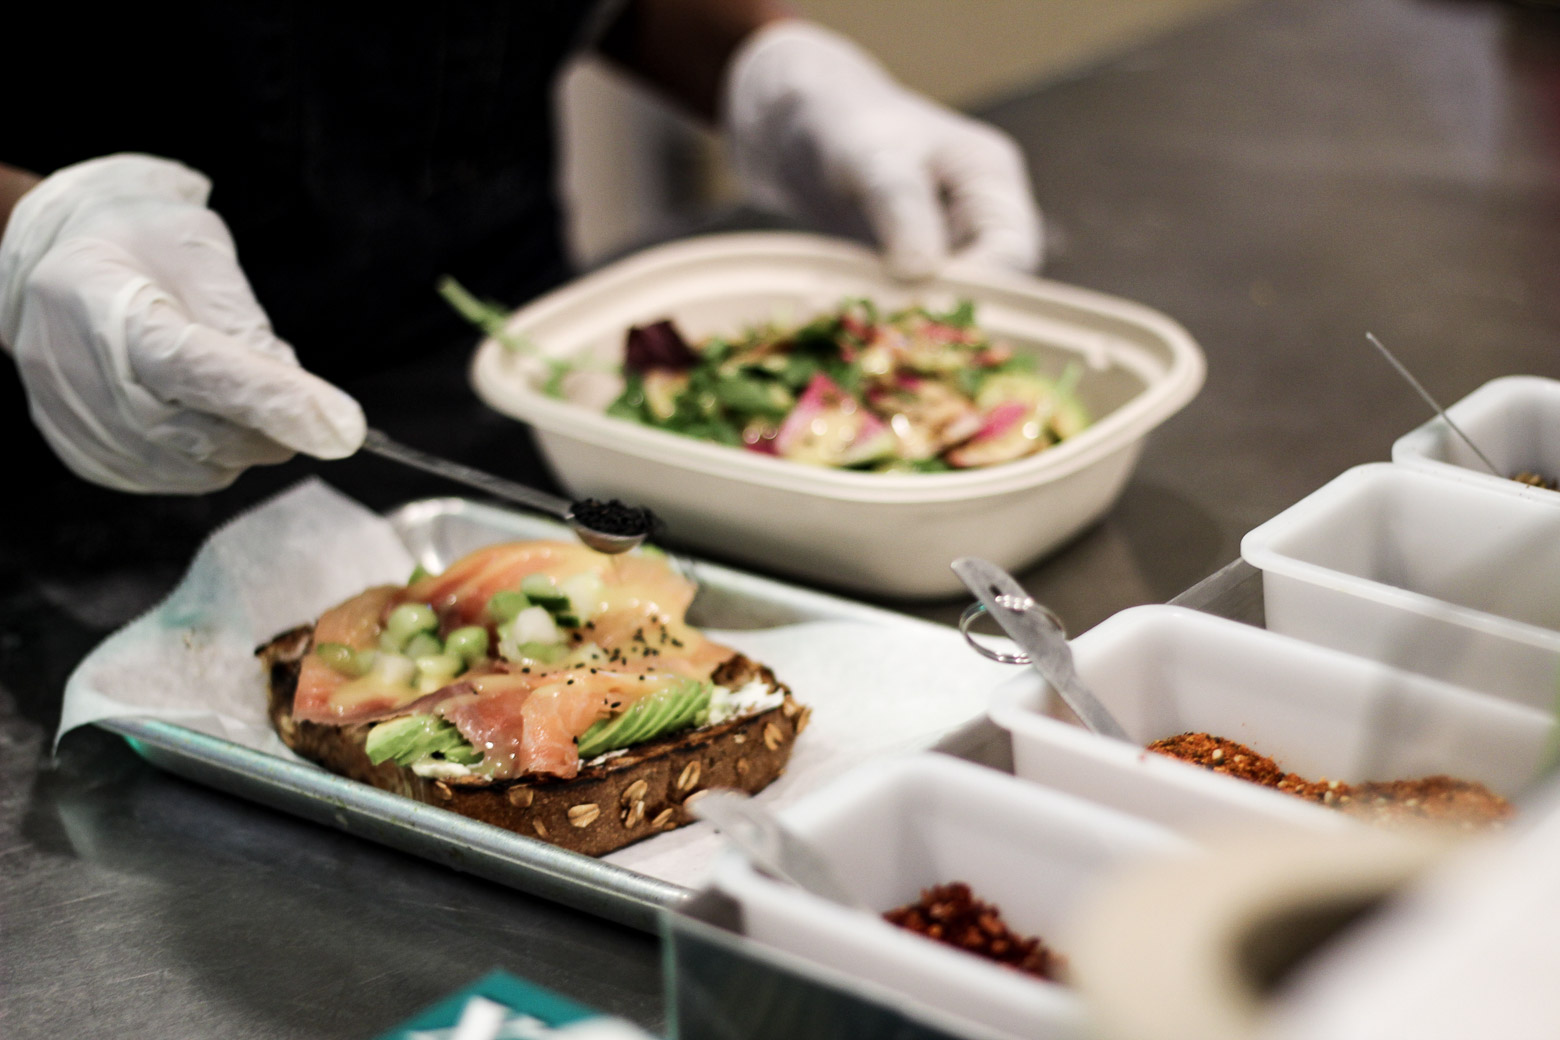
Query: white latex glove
x,y
148,364
818,130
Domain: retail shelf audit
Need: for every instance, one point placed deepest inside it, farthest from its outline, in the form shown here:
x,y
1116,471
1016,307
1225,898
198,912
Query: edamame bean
x,y
434,670
407,620
342,658
423,644
470,643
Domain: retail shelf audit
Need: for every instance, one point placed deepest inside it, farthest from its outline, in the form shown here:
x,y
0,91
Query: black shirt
x,y
356,158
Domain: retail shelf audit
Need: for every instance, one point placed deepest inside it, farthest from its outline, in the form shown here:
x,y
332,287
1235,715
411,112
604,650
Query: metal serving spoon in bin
x,y
1037,632
608,527
770,846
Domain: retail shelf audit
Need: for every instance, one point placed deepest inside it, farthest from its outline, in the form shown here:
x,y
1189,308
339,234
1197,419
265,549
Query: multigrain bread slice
x,y
619,799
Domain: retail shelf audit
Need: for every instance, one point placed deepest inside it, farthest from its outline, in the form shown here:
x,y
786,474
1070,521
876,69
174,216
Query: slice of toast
x,y
618,799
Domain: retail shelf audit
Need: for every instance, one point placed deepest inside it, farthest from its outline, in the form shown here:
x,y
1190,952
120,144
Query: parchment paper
x,y
874,689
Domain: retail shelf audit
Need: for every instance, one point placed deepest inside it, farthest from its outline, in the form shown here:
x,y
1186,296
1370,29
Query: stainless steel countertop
x,y
1281,179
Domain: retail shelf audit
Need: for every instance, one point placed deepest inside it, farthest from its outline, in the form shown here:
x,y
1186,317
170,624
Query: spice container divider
x,y
1435,575
1514,420
1323,714
896,827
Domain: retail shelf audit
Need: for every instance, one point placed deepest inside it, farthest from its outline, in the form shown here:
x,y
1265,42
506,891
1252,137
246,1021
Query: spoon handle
x,y
377,443
768,845
1431,401
1029,626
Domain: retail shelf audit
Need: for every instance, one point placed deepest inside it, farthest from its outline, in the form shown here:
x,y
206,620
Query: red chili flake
x,y
952,915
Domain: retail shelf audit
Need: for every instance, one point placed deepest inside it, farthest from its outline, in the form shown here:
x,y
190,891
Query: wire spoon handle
x,y
1406,374
608,527
1036,632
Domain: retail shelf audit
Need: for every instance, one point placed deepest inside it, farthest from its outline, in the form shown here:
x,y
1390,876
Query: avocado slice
x,y
412,738
663,712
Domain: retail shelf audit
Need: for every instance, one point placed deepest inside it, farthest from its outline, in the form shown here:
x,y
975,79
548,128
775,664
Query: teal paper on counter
x,y
529,1005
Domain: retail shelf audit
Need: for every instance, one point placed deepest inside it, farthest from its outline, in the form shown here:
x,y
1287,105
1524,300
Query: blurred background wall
x,y
633,168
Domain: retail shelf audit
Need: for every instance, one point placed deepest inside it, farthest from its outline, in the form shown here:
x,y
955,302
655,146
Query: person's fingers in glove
x,y
159,402
818,130
989,206
148,364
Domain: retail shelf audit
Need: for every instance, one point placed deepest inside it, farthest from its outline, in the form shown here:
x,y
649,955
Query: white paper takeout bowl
x,y
1323,714
1513,420
891,534
894,827
1435,575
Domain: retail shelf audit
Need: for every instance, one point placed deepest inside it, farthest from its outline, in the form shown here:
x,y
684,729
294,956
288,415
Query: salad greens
x,y
911,390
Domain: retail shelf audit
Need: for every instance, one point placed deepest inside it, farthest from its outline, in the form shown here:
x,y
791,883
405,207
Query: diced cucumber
x,y
547,653
530,631
543,591
503,606
393,669
584,593
536,625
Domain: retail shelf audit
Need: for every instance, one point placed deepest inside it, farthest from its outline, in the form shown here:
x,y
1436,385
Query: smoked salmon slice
x,y
525,717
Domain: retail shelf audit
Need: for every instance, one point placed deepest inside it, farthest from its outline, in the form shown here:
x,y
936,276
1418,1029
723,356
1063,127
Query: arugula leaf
x,y
961,317
715,350
868,308
486,315
750,395
799,371
556,370
846,375
819,337
630,404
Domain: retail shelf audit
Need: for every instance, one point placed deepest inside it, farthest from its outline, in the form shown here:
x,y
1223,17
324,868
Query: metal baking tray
x,y
438,531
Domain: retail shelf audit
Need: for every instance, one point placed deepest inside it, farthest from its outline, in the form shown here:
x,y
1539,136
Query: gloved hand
x,y
818,130
148,364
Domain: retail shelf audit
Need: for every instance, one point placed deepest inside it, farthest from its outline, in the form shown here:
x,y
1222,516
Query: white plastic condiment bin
x,y
895,827
1436,575
1513,420
889,534
1164,670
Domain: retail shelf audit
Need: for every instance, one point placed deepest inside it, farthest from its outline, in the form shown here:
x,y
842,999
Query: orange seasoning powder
x,y
1430,799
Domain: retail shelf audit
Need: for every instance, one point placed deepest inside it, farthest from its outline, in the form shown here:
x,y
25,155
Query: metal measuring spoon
x,y
1037,633
608,527
770,846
